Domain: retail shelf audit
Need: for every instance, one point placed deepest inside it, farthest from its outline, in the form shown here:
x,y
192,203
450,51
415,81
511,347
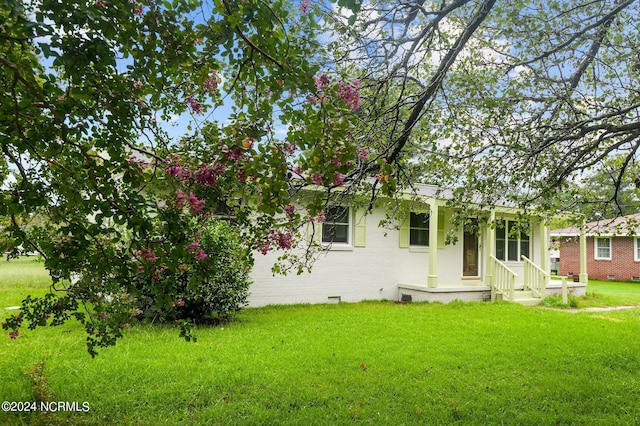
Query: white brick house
x,y
412,262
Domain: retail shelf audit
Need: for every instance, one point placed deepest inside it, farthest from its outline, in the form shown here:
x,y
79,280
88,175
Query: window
x,y
511,244
335,228
636,249
602,248
524,244
419,229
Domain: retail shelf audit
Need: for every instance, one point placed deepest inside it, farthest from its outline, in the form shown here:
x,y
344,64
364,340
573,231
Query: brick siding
x,y
622,266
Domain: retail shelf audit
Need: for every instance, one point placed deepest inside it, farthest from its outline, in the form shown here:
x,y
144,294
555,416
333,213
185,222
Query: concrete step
x,y
525,297
523,294
530,301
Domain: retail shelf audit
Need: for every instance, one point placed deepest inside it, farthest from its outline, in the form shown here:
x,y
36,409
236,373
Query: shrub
x,y
556,302
212,284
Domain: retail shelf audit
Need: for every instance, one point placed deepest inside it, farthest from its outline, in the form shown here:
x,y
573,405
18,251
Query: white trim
x,y
636,244
340,246
595,248
419,249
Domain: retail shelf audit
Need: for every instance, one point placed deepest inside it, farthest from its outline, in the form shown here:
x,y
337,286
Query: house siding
x,y
622,265
372,272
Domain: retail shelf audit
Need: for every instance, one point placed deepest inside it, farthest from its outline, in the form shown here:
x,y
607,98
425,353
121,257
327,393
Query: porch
x,y
536,286
484,276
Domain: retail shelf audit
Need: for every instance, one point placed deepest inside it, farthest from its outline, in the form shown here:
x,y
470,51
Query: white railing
x,y
503,280
535,278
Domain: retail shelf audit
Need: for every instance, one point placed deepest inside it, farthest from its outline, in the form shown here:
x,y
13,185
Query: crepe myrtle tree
x,y
89,90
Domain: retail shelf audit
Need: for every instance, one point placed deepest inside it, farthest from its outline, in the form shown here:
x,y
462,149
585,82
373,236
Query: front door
x,y
470,251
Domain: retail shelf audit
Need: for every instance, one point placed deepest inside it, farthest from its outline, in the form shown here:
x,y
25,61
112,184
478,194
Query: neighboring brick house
x,y
612,246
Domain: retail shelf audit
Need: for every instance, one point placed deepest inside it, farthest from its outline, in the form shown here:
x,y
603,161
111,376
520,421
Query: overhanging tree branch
x,y
438,77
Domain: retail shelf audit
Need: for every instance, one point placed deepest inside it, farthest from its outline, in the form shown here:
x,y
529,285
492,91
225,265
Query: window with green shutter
x,y
335,228
419,229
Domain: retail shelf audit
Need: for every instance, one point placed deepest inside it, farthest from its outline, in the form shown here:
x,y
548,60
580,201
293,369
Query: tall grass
x,y
371,363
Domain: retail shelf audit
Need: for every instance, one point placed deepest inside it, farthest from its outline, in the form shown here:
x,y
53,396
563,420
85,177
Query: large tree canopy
x,y
88,92
492,99
497,98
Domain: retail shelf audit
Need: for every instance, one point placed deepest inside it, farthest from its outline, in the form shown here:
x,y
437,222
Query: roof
x,y
618,226
442,193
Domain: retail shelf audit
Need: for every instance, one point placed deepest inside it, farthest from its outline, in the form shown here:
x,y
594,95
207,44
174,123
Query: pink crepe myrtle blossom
x,y
201,255
290,209
211,83
363,153
208,174
304,6
321,81
176,170
317,179
180,302
196,204
320,217
283,239
350,94
338,179
290,149
146,254
234,155
264,247
195,106
192,247
181,199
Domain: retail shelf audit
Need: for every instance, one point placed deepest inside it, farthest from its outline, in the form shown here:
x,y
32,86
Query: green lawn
x,y
370,363
611,293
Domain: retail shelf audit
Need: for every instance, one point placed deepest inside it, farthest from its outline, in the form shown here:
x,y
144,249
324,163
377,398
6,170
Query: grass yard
x,y
369,363
610,293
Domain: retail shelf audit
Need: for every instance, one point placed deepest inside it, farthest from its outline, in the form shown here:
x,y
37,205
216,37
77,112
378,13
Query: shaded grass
x,y
370,363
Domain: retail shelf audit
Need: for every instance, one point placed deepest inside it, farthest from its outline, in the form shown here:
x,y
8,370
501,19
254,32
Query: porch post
x,y
584,277
490,249
544,248
433,244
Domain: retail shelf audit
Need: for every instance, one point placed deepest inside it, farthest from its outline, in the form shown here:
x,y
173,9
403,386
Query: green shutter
x,y
404,233
441,229
360,228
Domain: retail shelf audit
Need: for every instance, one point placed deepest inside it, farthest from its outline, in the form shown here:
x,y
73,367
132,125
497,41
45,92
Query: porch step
x,y
526,298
